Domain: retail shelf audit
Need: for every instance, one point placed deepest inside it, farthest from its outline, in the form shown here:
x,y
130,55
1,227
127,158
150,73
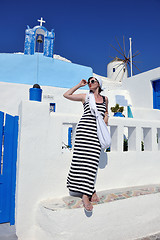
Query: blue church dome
x,y
33,67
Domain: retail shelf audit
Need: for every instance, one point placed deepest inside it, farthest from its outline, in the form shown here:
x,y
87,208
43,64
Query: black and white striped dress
x,y
84,165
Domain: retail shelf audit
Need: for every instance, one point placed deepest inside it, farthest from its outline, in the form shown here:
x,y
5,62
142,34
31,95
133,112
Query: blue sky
x,y
85,29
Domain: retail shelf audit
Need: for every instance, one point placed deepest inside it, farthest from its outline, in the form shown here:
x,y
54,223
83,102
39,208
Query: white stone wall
x,y
42,166
132,218
140,88
11,95
130,93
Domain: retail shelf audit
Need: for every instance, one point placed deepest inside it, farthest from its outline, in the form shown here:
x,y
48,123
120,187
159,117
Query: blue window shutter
x,y
70,137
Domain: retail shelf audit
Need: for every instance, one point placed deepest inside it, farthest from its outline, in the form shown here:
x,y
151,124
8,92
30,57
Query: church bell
x,y
39,39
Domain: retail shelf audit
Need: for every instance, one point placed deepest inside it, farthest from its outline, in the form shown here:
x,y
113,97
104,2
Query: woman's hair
x,y
99,89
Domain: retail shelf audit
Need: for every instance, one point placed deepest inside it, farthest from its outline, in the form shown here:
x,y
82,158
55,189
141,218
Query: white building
x,y
117,70
42,159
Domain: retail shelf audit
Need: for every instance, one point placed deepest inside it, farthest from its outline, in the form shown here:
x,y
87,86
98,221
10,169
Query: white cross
x,y
41,21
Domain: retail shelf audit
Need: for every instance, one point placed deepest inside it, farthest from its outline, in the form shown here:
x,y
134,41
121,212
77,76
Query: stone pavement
x,y
7,232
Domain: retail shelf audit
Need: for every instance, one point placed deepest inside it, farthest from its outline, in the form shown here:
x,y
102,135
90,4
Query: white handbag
x,y
103,133
102,129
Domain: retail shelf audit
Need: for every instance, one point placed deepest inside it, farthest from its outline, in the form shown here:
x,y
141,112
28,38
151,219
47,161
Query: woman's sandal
x,y
95,198
87,206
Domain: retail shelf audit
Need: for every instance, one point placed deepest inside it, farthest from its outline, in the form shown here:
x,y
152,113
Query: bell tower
x,y
31,36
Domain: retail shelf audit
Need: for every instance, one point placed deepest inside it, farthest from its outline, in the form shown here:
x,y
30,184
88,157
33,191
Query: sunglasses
x,y
92,81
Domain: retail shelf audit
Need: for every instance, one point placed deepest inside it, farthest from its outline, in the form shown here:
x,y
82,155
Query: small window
x,y
70,137
52,107
156,94
114,69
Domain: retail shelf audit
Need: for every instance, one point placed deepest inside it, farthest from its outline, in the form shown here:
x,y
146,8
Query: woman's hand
x,y
83,83
76,97
106,119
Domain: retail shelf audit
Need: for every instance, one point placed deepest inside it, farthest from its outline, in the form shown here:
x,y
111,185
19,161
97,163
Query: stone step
x,y
123,214
106,196
152,237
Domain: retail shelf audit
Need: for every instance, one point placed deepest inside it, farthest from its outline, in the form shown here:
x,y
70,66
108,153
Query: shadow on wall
x,y
103,161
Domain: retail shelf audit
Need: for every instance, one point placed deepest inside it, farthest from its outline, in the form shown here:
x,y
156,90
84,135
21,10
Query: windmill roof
x,y
117,59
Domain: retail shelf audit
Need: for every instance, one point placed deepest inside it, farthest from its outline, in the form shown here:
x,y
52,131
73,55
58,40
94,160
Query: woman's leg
x,y
86,203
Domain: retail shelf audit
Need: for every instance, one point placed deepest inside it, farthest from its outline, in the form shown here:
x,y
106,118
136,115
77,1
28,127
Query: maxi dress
x,y
86,153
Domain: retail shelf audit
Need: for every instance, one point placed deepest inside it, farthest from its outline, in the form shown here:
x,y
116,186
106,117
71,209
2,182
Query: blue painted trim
x,y
70,137
14,154
2,219
7,165
130,115
8,178
1,134
156,94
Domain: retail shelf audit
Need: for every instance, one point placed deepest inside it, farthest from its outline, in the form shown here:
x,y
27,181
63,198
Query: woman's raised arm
x,y
76,97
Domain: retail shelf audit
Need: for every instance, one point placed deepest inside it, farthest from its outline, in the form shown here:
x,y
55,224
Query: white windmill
x,y
117,69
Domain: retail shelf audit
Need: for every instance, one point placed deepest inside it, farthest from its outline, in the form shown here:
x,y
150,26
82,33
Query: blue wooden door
x,y
156,94
8,154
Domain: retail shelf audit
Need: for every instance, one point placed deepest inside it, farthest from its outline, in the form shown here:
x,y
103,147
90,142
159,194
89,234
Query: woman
x,y
86,153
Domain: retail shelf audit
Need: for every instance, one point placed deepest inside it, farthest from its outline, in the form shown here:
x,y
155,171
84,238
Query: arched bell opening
x,y
39,40
45,41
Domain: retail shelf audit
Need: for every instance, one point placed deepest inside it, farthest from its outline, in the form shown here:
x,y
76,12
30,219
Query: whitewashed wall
x,y
11,95
43,166
140,88
132,92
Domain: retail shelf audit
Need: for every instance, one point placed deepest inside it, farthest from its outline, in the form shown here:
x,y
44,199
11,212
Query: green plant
x,y
65,146
125,145
117,108
142,146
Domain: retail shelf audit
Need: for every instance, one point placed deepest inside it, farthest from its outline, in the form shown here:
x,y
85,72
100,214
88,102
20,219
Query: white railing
x,y
139,135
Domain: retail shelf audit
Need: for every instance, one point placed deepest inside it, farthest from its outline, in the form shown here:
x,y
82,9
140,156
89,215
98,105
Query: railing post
x,y
147,134
138,139
114,137
120,137
154,139
158,138
131,138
